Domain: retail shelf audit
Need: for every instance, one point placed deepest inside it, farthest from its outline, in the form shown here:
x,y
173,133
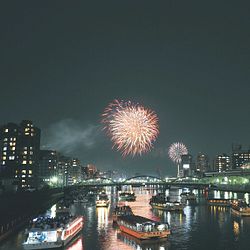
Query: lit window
x,y
23,176
5,139
23,171
25,152
31,148
13,148
14,139
4,153
11,158
31,152
26,129
30,171
24,162
3,162
6,130
30,162
4,157
4,148
23,180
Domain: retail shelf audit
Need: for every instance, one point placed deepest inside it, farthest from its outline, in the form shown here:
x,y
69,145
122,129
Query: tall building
x,y
20,146
75,172
48,167
222,163
63,176
239,156
202,163
91,171
187,166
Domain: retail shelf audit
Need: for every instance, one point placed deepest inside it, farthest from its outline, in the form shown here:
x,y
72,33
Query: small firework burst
x,y
176,150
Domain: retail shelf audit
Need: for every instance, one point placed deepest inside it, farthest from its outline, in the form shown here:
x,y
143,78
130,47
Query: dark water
x,y
198,227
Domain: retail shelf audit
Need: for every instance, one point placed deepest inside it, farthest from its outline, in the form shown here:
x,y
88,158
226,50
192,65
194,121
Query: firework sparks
x,y
131,127
176,150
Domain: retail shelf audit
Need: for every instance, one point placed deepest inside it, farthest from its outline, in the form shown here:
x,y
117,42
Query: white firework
x,y
176,150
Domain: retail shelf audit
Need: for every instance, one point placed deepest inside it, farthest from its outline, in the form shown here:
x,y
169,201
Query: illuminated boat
x,y
122,210
48,233
102,200
240,207
159,201
142,228
127,196
219,202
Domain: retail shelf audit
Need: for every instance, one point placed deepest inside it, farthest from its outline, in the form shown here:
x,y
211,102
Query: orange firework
x,y
131,127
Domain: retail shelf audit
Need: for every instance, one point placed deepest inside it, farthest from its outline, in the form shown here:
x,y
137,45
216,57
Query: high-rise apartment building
x,y
202,163
240,157
222,163
19,151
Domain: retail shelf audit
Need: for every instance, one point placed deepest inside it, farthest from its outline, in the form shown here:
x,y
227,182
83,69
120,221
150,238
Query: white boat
x,y
56,234
102,200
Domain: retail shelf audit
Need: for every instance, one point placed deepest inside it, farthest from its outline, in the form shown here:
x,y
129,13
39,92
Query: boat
x,y
159,201
127,196
142,228
136,243
240,207
102,200
47,233
62,207
188,196
119,211
219,202
81,199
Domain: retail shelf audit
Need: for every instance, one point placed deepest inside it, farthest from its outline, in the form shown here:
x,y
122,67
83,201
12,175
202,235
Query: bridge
x,y
230,183
143,180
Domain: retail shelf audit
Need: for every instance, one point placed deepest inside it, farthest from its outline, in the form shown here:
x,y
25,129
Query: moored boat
x,y
142,228
188,196
127,196
102,200
120,211
47,233
240,207
159,201
219,202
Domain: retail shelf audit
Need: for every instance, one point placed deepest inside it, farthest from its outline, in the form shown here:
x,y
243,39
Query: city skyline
x,y
185,61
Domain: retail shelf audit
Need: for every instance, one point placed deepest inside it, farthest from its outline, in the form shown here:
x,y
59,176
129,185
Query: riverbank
x,y
17,209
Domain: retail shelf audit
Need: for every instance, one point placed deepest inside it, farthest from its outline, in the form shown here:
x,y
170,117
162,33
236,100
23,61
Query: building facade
x,y
187,166
222,163
240,157
202,163
19,149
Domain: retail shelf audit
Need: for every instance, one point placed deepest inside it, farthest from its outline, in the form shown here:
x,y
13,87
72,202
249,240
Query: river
x,y
199,227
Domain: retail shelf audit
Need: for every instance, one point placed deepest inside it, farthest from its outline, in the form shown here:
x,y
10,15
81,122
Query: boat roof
x,y
134,219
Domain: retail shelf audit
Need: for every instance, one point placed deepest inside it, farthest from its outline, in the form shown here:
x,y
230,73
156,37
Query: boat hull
x,y
244,212
167,208
144,235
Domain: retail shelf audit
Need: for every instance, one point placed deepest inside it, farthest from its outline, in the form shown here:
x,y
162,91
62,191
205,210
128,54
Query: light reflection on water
x,y
197,227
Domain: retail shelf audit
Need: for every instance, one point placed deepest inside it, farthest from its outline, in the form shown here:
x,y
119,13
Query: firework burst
x,y
176,150
132,128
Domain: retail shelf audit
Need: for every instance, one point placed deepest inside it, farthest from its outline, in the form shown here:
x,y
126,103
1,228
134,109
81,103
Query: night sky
x,y
62,62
